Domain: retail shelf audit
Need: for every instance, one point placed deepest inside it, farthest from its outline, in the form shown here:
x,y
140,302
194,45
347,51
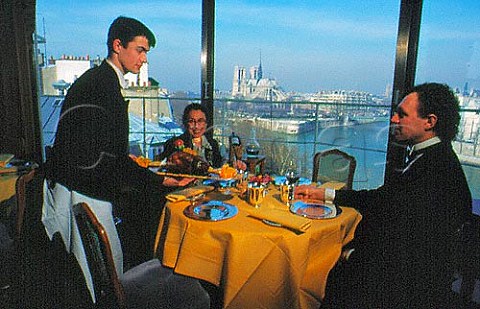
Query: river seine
x,y
366,142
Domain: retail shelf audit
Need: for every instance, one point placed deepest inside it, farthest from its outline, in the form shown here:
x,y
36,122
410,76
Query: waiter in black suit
x,y
91,150
404,257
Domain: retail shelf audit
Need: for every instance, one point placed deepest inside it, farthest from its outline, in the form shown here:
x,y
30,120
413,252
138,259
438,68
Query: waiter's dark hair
x,y
126,29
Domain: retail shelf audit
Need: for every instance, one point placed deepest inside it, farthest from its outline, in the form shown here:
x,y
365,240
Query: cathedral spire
x,y
260,73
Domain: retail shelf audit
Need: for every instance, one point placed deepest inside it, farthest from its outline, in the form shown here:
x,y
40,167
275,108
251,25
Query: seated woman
x,y
194,120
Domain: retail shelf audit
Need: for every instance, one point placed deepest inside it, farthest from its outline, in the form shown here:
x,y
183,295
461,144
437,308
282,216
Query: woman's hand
x,y
240,165
309,192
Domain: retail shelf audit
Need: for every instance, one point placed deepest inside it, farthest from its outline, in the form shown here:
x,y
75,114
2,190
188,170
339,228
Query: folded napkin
x,y
285,218
188,192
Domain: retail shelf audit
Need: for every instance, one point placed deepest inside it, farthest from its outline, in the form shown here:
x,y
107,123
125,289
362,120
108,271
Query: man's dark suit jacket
x,y
409,230
90,154
212,156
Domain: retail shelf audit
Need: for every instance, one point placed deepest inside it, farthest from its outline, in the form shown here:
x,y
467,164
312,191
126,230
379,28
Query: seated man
x,y
406,255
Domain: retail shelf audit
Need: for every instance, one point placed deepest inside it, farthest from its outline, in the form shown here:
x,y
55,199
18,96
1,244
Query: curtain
x,y
20,132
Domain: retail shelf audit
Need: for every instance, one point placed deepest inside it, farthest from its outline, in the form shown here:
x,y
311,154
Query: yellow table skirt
x,y
7,186
257,265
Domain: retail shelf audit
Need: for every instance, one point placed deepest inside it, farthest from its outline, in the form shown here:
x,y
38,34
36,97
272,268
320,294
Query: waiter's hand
x,y
174,182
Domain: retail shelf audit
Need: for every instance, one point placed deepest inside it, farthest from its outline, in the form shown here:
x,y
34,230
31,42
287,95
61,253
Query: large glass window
x,y
307,76
74,36
300,76
449,52
79,29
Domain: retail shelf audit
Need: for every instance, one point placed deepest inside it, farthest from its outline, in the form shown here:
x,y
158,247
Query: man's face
x,y
132,57
407,125
196,123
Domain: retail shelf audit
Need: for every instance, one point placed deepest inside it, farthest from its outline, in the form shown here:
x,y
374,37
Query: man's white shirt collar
x,y
121,78
429,142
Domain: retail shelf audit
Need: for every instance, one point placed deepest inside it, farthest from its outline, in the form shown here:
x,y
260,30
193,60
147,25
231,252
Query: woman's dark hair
x,y
440,100
126,29
188,109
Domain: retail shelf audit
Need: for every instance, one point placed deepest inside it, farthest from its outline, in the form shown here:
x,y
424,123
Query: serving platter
x,y
221,182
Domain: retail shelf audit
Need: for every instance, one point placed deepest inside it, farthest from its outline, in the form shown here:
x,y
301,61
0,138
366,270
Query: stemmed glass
x,y
292,176
225,186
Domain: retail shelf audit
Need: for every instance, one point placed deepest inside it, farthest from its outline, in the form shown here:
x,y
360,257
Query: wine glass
x,y
292,176
223,185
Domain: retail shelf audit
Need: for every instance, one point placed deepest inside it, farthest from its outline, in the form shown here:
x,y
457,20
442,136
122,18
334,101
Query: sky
x,y
306,46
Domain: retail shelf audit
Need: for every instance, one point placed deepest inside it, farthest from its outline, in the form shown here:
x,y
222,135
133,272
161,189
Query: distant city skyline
x,y
306,46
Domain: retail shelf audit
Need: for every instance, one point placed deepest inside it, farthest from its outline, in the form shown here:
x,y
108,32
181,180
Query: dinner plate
x,y
211,211
315,210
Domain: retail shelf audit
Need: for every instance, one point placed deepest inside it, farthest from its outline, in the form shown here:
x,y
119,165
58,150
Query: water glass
x,y
256,194
284,193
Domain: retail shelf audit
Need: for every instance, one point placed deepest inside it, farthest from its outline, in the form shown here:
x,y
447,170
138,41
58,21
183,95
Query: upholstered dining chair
x,y
148,285
10,236
334,165
21,196
107,286
468,265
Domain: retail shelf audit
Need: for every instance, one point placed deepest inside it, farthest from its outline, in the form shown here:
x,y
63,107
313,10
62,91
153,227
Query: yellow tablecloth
x,y
7,186
257,265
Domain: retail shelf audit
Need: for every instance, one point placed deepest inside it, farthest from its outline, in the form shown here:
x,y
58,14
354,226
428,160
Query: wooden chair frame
x,y
21,196
108,288
317,161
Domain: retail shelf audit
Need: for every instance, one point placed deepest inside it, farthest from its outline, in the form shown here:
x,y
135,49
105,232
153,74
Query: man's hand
x,y
309,192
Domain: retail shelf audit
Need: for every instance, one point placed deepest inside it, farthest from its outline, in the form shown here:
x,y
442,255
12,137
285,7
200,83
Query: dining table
x,y
7,185
9,176
256,263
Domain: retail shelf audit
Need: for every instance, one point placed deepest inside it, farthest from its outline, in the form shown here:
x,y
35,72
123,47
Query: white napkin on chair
x,y
57,216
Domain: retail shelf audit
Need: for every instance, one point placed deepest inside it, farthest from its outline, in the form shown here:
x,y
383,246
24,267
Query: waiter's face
x,y
132,57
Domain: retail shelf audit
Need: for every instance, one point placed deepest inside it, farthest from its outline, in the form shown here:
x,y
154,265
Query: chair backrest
x,y
21,196
108,289
467,259
334,165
